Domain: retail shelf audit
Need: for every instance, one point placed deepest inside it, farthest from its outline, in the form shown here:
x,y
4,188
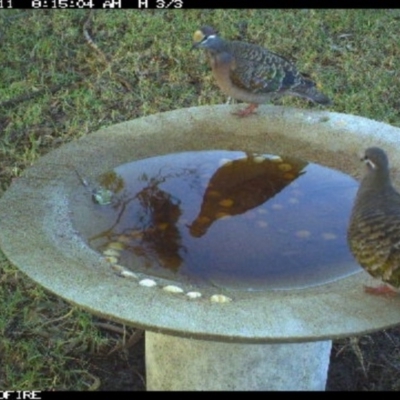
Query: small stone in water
x,y
220,298
173,289
147,283
116,246
193,295
111,260
111,253
128,274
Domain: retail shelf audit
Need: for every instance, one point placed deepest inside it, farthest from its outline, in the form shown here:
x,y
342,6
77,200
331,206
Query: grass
x,y
55,88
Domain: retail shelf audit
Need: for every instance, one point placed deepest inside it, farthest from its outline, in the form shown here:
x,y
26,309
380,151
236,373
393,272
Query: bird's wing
x,y
376,242
261,71
391,268
365,232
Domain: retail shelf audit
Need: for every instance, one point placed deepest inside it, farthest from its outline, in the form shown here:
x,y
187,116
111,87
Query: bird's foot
x,y
250,109
382,290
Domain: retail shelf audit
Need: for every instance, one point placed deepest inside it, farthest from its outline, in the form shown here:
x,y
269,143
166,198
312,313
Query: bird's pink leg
x,y
382,290
250,109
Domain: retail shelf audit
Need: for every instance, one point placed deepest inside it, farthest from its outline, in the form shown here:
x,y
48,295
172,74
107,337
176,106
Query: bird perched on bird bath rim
x,y
374,229
253,74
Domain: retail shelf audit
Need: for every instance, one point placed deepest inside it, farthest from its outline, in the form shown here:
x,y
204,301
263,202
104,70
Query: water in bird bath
x,y
227,218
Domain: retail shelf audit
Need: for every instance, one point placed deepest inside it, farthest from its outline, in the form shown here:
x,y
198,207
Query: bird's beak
x,y
198,38
368,162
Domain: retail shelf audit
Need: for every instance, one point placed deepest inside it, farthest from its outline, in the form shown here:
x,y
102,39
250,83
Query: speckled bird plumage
x,y
374,228
253,74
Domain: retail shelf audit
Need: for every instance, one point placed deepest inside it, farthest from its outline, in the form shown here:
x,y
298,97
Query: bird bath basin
x,y
226,219
226,338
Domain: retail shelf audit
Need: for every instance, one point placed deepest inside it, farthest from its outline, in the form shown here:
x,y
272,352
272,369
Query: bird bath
x,y
226,339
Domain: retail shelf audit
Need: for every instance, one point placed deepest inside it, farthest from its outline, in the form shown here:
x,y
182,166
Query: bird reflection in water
x,y
241,185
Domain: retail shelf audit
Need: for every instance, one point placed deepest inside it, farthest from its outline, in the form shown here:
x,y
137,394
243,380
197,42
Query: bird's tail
x,y
308,89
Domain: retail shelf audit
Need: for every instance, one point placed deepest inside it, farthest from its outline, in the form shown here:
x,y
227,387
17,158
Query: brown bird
x,y
253,74
374,229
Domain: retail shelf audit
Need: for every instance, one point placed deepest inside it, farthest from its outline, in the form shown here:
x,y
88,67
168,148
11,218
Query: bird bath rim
x,y
52,253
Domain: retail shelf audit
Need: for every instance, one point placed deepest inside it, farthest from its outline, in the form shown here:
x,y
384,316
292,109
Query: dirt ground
x,y
369,363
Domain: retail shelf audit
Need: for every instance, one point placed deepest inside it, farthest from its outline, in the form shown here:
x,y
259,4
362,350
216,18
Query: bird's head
x,y
375,159
206,38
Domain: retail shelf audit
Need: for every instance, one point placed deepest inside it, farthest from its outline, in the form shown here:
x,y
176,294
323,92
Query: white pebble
x,y
118,268
193,295
116,246
173,289
111,253
220,298
147,283
259,159
111,260
128,274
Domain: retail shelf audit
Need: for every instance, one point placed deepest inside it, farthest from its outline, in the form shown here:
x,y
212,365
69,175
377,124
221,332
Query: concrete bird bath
x,y
262,340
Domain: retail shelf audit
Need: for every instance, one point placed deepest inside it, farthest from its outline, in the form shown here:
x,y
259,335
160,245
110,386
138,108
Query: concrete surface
x,y
37,235
188,364
258,340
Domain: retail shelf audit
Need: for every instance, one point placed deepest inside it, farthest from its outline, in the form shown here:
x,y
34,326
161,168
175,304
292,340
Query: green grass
x,y
353,54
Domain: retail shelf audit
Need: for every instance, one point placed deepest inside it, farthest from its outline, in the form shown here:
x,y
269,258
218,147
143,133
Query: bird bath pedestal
x,y
264,340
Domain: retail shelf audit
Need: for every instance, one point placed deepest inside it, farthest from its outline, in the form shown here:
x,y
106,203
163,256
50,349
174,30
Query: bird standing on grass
x,y
374,229
253,74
